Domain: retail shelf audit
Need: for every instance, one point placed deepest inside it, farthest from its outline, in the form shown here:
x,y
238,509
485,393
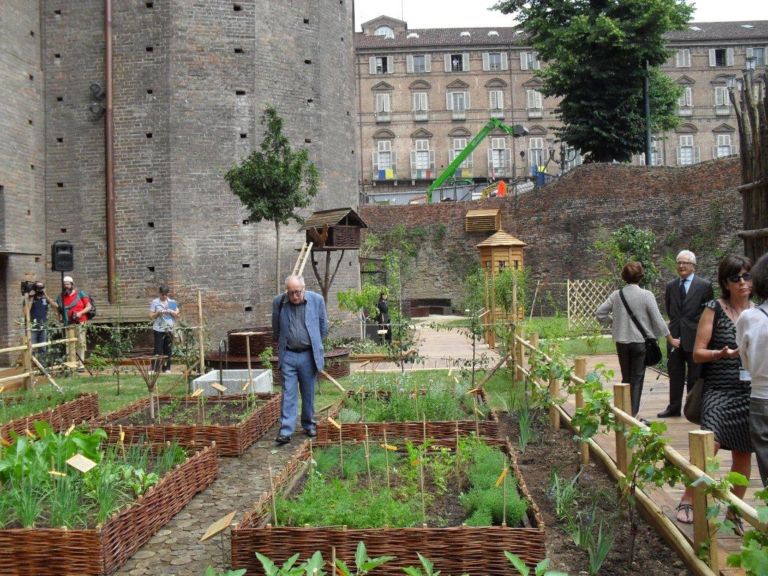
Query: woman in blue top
x,y
163,311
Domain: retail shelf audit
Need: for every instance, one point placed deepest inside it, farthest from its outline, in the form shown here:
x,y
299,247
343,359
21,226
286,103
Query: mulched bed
x,y
84,407
553,450
232,422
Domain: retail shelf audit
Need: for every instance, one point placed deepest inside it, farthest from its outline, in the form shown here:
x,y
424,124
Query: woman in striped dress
x,y
725,403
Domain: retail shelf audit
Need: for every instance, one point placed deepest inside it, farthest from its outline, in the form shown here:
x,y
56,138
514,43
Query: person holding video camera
x,y
74,306
37,302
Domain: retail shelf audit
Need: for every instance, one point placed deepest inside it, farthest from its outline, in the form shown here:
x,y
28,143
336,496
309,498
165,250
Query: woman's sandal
x,y
684,513
735,519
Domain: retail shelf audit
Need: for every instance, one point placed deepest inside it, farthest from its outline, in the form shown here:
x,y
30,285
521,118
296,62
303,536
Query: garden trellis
x,y
584,296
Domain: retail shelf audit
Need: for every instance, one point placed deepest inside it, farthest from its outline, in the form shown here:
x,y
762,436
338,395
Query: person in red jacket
x,y
74,305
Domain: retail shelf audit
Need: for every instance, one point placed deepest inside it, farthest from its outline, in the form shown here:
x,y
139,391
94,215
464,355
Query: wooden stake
x,y
248,353
474,412
580,370
341,453
701,446
554,394
333,381
29,379
200,332
274,503
421,481
504,489
368,458
622,401
386,456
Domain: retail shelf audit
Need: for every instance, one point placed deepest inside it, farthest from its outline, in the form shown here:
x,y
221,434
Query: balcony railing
x,y
383,171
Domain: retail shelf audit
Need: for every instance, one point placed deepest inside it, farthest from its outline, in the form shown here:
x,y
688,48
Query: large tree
x,y
274,181
596,53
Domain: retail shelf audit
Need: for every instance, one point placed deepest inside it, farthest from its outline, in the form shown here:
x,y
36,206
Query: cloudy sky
x,y
457,13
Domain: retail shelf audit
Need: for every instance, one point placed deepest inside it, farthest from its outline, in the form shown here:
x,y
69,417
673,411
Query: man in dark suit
x,y
684,301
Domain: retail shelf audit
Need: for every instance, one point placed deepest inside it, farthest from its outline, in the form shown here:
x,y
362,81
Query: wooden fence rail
x,y
701,448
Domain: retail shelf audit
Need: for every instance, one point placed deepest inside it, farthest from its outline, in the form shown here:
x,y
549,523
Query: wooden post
x,y
701,446
622,401
580,370
554,394
27,340
517,356
248,354
535,343
71,332
200,333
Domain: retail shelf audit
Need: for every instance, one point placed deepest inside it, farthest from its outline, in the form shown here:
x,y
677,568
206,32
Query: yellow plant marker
x,y
122,436
456,379
501,477
197,393
245,387
2,388
81,463
69,430
389,447
219,526
56,473
219,387
29,433
336,424
5,442
473,391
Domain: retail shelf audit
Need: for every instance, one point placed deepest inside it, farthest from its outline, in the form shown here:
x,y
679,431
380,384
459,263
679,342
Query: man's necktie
x,y
682,290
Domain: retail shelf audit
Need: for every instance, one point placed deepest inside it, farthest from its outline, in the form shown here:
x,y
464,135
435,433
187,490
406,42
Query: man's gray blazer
x,y
315,320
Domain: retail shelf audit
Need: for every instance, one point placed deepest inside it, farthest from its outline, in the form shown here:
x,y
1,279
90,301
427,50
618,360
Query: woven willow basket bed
x,y
102,550
84,407
456,550
231,440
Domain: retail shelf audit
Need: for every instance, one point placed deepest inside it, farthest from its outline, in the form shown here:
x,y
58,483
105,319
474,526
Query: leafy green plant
x,y
627,244
753,553
564,492
311,567
364,564
426,564
211,571
524,570
525,423
590,535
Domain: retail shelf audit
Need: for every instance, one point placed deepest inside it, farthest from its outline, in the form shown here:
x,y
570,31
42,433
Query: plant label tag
x,y
69,430
56,473
473,391
501,477
5,442
389,447
81,463
29,433
197,393
2,388
245,386
219,387
219,526
334,423
381,332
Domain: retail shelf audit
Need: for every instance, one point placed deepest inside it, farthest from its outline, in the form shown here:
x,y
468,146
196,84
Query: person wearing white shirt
x,y
163,311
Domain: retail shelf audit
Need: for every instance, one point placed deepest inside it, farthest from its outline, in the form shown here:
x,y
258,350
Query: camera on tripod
x,y
28,286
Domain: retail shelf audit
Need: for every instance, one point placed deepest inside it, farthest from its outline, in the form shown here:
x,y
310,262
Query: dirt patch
x,y
179,411
551,451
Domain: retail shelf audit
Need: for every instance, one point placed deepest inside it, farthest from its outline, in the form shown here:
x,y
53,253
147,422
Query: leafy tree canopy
x,y
596,52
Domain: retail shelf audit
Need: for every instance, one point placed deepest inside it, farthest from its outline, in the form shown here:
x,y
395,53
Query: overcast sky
x,y
458,13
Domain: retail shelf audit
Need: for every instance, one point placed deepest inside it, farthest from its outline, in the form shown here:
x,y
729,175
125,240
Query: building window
x,y
422,160
385,31
418,63
723,147
529,61
384,166
499,159
536,153
722,101
685,102
420,106
496,103
383,110
495,61
457,62
756,56
687,153
457,102
464,170
535,104
683,58
721,57
380,65
657,152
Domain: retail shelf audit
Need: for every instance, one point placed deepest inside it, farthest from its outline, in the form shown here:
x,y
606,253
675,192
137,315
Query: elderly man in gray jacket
x,y
299,323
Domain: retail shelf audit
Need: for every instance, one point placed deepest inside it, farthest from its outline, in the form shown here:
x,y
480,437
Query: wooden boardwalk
x,y
654,400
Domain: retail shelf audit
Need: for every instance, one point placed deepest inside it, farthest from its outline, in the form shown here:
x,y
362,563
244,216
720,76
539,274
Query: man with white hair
x,y
299,324
74,305
684,301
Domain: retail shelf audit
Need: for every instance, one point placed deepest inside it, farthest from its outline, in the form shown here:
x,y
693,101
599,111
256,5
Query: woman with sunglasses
x,y
725,403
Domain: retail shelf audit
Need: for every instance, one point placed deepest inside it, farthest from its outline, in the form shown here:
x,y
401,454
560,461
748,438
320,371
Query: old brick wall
x,y
22,238
693,207
191,80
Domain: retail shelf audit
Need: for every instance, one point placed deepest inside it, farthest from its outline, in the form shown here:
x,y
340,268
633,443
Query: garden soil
x,y
554,450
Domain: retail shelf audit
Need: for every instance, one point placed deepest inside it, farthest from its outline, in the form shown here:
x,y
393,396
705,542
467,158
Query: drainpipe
x,y
110,153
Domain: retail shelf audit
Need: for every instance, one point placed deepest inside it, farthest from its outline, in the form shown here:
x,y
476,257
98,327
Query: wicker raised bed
x,y
336,364
84,407
231,440
455,550
102,550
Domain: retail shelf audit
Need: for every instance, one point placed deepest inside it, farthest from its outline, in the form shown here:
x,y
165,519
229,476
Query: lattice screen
x,y
584,296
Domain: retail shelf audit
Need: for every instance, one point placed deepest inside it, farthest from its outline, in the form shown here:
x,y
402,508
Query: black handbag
x,y
652,350
693,401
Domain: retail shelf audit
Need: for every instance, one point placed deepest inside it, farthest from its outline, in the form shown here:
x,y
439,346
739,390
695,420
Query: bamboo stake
x,y
554,394
29,380
421,481
474,412
580,370
367,452
341,453
272,493
200,333
504,489
458,455
386,456
333,381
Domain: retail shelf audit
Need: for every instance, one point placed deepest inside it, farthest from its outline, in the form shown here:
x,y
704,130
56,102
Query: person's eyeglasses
x,y
294,292
736,278
684,263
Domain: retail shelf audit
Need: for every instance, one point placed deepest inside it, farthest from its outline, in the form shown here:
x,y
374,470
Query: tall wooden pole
x,y
200,333
29,379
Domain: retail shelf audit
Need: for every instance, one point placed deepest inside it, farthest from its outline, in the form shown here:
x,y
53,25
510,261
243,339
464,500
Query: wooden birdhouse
x,y
499,251
337,229
482,220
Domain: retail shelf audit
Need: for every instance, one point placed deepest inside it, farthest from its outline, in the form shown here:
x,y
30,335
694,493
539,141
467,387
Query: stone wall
x,y
191,80
694,207
22,217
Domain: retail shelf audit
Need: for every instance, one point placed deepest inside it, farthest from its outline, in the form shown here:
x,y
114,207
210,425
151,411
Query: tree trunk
x,y
277,257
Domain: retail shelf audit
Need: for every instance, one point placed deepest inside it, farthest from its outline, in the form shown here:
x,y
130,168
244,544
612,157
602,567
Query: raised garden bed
x,y
232,432
336,364
454,549
61,417
103,549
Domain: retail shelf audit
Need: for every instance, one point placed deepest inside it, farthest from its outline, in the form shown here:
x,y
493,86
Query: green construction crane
x,y
493,123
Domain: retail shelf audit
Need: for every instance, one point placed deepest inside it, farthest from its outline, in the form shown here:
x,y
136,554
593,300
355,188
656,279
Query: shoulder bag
x,y
652,350
695,396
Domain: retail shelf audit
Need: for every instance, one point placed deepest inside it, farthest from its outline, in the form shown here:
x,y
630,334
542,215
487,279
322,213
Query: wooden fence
x,y
701,448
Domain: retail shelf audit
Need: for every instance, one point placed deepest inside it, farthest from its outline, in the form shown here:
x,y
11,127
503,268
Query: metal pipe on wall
x,y
110,153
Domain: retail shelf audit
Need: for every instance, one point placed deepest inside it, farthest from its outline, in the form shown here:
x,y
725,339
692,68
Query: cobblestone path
x,y
176,548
